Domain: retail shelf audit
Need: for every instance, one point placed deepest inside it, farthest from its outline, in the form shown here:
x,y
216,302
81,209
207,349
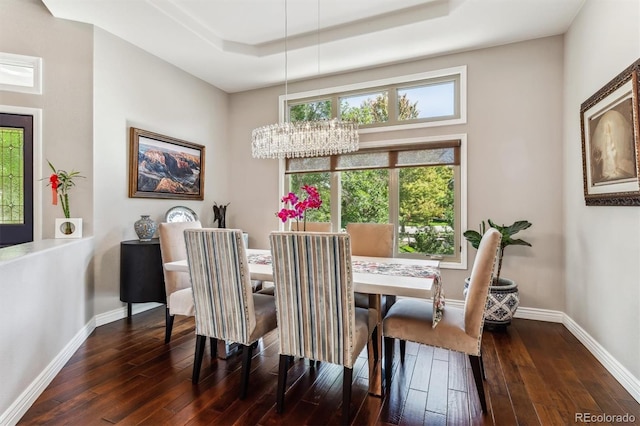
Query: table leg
x,y
375,367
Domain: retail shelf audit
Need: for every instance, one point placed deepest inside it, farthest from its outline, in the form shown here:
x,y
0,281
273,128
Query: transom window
x,y
423,100
20,73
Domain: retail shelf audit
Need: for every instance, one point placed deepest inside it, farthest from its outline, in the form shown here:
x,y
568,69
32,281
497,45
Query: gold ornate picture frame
x,y
164,167
610,133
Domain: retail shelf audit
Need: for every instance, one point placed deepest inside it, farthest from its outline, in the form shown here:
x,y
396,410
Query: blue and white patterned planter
x,y
502,302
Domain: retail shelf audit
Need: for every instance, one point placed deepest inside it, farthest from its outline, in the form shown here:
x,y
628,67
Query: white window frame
x,y
23,61
283,100
286,99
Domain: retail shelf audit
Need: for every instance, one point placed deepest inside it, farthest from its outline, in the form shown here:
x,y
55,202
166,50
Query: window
x,y
19,73
417,187
414,181
428,101
421,100
16,179
367,108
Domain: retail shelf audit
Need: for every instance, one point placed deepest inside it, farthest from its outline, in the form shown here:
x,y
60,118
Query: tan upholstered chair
x,y
311,226
460,329
374,240
177,284
317,318
371,239
226,307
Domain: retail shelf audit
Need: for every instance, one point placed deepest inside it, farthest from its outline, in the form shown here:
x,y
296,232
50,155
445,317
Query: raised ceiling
x,y
239,45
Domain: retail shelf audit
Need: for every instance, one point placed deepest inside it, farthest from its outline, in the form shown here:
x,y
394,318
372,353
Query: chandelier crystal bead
x,y
304,139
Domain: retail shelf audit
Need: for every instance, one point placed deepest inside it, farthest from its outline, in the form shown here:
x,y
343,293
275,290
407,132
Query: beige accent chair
x,y
460,329
317,318
226,307
177,284
373,240
311,226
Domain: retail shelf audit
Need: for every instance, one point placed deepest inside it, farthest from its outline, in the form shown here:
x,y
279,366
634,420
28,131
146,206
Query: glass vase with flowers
x,y
295,207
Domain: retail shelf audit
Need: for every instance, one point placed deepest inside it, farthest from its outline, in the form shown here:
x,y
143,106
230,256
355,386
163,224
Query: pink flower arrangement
x,y
295,207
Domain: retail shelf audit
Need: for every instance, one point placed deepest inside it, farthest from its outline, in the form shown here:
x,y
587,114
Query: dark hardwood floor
x,y
537,374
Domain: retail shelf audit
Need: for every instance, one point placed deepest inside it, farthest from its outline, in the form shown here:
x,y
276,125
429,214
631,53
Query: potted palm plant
x,y
503,297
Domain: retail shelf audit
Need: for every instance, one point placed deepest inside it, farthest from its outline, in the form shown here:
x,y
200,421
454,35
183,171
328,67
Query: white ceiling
x,y
238,45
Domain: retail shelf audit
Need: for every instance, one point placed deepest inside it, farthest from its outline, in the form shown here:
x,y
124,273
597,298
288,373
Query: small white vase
x,y
68,228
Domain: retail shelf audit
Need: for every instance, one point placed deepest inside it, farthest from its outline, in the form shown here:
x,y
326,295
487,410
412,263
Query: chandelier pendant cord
x,y
286,57
302,138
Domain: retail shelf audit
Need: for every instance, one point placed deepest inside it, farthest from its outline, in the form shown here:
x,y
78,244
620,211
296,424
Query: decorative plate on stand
x,y
180,214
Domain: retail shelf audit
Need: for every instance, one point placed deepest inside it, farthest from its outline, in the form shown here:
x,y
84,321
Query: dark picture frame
x,y
164,167
610,131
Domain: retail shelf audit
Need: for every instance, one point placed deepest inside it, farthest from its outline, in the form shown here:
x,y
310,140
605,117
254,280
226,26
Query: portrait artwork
x,y
609,121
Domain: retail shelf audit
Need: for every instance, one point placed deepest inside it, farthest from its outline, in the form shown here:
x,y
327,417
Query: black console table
x,y
141,276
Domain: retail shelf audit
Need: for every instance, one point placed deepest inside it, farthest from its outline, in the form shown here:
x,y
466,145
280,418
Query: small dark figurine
x,y
219,214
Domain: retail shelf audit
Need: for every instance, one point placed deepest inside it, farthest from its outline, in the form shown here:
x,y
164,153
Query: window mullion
x,y
394,206
336,203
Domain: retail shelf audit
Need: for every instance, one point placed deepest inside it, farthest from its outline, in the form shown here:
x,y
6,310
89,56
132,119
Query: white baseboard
x,y
118,314
617,370
536,314
13,414
20,406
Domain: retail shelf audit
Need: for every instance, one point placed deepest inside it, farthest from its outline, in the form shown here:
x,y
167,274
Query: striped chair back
x,y
222,292
314,295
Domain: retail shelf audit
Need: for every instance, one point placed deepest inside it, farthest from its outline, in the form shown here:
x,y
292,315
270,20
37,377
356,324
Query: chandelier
x,y
303,138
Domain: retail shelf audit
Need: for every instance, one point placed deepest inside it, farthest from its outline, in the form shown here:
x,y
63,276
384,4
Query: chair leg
x,y
197,359
375,347
484,374
388,359
169,326
247,352
477,377
346,394
282,383
403,349
213,342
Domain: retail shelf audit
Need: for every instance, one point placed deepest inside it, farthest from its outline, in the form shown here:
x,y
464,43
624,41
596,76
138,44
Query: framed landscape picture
x,y
610,128
164,167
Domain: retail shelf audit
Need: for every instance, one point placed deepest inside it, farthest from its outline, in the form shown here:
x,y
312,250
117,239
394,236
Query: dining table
x,y
375,276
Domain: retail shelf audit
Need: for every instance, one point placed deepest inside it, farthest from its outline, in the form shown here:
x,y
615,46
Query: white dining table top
x,y
370,283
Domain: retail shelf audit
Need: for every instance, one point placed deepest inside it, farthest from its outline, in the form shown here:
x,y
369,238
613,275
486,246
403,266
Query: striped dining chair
x,y
226,307
317,317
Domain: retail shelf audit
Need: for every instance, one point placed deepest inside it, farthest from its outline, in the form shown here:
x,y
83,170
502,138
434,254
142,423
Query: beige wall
x,y
602,243
67,113
134,88
514,155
